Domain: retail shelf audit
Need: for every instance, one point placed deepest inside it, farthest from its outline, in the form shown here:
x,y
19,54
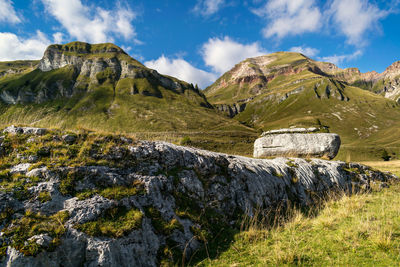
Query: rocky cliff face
x,y
77,67
386,83
120,202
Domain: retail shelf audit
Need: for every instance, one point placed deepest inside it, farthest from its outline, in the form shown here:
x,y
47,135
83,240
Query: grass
x,y
358,230
115,222
386,166
32,224
116,192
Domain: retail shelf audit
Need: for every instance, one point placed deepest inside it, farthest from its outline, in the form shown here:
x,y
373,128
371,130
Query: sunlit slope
x,y
288,89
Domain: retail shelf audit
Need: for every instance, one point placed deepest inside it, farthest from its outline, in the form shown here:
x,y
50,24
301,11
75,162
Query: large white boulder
x,y
322,145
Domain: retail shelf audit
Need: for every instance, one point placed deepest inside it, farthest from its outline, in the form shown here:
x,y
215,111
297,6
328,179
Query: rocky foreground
x,y
91,200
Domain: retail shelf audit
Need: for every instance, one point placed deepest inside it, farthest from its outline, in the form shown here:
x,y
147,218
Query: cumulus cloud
x,y
355,18
308,51
219,54
289,17
182,69
7,12
91,24
58,37
222,54
13,47
339,59
208,7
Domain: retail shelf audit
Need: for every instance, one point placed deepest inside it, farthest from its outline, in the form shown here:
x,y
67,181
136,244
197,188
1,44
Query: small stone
x,y
42,240
126,140
69,138
33,159
20,168
38,172
31,140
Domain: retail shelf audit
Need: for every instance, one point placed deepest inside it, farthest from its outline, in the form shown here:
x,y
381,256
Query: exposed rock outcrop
x,y
25,130
231,110
287,142
184,192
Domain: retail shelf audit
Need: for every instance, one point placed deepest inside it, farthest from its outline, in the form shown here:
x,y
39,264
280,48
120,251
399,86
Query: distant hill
x,y
286,89
100,87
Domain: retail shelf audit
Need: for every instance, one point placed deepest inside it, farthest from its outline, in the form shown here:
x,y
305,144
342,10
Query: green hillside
x,y
288,89
122,96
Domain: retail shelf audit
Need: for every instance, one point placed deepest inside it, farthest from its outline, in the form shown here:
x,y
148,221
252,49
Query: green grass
x,y
115,222
34,224
36,80
360,230
17,65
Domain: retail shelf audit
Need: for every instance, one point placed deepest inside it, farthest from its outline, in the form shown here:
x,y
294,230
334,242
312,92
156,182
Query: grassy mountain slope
x,y
288,89
101,88
11,68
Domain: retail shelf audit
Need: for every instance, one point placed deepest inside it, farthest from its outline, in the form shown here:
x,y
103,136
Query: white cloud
x,y
58,37
355,18
289,17
339,59
182,69
208,7
7,12
222,54
308,51
92,24
13,47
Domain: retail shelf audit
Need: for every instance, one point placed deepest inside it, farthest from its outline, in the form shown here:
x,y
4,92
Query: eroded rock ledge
x,y
176,196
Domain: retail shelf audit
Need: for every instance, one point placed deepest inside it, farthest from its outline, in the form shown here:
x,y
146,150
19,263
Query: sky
x,y
199,40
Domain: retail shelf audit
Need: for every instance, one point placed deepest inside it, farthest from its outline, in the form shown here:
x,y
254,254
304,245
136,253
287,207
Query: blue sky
x,y
199,40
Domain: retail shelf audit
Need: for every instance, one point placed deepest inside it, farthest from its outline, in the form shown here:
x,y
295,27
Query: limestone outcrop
x,y
183,196
25,130
297,142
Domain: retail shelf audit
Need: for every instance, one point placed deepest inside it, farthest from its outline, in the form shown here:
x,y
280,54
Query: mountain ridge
x,y
288,89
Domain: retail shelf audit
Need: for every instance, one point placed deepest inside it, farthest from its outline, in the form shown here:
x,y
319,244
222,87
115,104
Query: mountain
x,y
100,87
287,89
386,83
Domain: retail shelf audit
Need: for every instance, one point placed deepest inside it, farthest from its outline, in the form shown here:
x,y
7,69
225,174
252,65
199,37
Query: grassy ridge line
x,y
360,230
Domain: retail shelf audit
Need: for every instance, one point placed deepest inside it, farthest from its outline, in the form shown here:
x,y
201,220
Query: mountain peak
x,y
394,68
86,48
77,53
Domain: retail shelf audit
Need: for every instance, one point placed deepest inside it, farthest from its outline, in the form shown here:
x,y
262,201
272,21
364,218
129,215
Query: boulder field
x,y
139,203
